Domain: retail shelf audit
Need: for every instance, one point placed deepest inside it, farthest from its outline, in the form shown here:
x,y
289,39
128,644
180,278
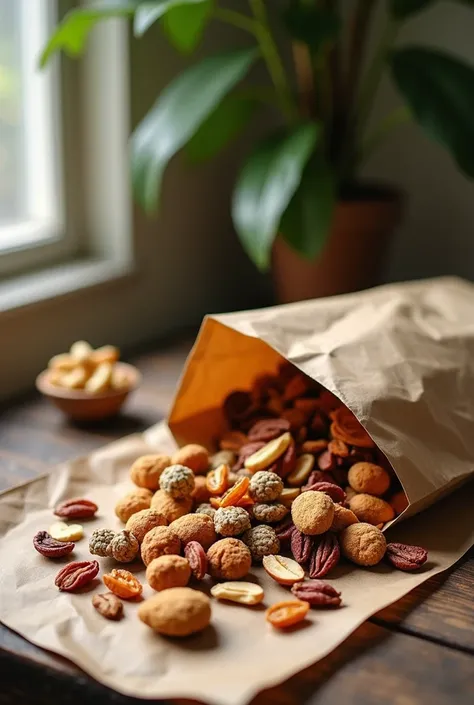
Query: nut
x,y
229,559
160,541
399,502
301,546
265,486
363,544
123,583
342,517
176,612
368,478
132,503
142,522
302,471
195,527
206,509
317,593
284,570
99,541
193,456
372,510
268,429
262,541
51,548
231,521
76,509
406,557
177,481
124,547
146,470
197,559
75,575
336,493
270,452
325,556
167,572
200,493
312,512
269,513
171,507
108,605
107,353
66,532
284,529
100,379
240,592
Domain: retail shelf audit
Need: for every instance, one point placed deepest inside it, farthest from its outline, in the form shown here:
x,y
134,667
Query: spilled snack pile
x,y
295,485
93,371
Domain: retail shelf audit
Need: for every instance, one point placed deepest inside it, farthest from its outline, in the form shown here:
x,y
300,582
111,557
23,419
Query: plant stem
x,y
390,122
304,77
237,19
273,61
359,29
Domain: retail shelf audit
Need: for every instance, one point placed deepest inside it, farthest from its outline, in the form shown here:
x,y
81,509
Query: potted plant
x,y
299,201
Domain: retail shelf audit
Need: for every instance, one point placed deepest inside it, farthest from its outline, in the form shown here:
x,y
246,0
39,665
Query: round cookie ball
x,y
368,478
229,559
312,512
206,508
168,572
146,470
142,522
193,456
133,503
195,527
342,517
363,544
372,510
170,507
177,481
176,612
231,521
200,493
160,541
262,541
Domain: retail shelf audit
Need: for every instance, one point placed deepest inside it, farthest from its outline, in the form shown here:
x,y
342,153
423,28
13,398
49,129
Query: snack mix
x,y
295,484
91,371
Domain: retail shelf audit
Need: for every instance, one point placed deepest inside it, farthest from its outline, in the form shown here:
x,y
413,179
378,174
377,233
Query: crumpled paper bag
x,y
240,654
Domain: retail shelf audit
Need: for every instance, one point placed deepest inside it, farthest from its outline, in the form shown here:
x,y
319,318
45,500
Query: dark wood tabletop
x,y
420,650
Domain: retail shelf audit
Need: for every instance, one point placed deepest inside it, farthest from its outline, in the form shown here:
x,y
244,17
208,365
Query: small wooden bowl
x,y
82,406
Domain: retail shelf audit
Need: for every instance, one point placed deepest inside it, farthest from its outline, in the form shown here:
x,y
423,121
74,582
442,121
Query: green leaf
x,y
221,127
179,111
439,90
148,12
306,223
184,25
312,25
265,186
72,33
401,9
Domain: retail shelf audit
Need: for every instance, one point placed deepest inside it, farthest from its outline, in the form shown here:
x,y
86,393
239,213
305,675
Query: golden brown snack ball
x,y
195,527
176,612
146,470
342,517
372,510
160,541
142,522
368,478
171,507
193,456
229,559
363,544
168,572
132,503
200,493
399,502
312,512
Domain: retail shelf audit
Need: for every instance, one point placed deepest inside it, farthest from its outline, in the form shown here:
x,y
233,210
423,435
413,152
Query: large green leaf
x,y
179,111
221,127
184,25
148,12
72,32
401,9
439,90
312,25
306,222
266,185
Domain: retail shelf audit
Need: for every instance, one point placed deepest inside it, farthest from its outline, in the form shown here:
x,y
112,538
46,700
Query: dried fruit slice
x,y
66,532
284,570
302,471
288,495
237,591
287,613
235,493
217,480
122,583
270,452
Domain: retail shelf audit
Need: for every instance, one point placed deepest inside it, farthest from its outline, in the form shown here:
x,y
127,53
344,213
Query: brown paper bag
x,y
401,357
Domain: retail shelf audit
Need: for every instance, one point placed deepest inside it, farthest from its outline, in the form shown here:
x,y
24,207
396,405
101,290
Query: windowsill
x,y
59,280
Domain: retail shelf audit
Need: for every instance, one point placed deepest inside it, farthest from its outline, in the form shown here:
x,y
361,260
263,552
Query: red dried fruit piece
x,y
315,476
245,452
286,463
406,557
76,508
268,429
196,558
346,427
301,546
49,547
317,593
336,493
325,556
329,401
238,405
75,575
326,461
284,529
314,447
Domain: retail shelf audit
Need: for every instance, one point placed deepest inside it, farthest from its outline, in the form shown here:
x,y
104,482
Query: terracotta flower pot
x,y
354,253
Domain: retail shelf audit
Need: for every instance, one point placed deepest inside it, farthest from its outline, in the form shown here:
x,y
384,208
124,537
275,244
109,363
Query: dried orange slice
x,y
217,480
235,493
122,583
287,613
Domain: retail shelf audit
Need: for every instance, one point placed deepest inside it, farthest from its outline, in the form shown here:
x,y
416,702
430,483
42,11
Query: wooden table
x,y
420,650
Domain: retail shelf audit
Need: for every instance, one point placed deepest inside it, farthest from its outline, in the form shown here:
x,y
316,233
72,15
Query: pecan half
x,y
325,556
406,557
314,477
197,559
77,508
284,529
326,461
49,547
268,429
301,546
108,605
317,593
76,574
336,493
286,463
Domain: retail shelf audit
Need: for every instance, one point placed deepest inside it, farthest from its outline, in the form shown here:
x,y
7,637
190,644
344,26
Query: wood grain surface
x,y
419,650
